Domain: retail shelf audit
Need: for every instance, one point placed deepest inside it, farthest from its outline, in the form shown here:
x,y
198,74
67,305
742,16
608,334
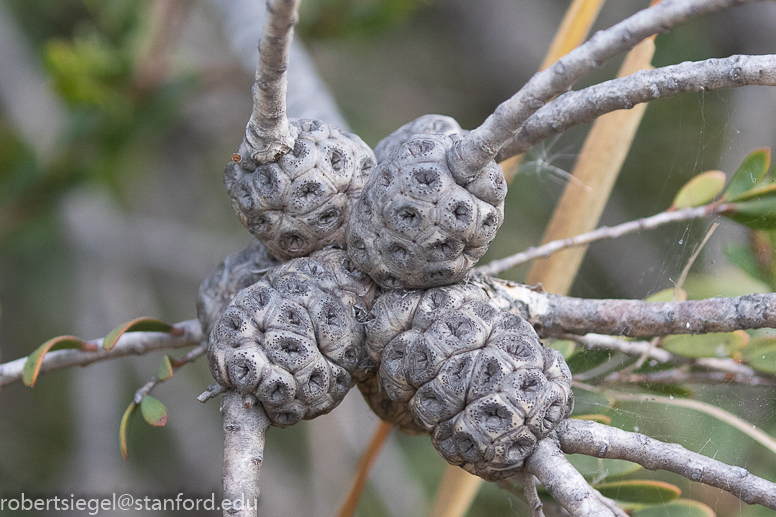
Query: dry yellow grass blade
x,y
573,30
595,172
458,487
365,464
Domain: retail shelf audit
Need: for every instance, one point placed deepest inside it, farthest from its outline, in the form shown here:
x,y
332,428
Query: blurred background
x,y
116,120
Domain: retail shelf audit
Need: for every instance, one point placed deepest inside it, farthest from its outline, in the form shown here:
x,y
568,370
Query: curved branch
x,y
563,481
130,343
580,107
245,427
601,441
553,315
480,146
268,134
189,357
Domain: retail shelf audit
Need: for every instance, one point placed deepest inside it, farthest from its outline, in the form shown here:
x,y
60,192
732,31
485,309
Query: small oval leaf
x,y
677,508
32,364
749,174
164,371
700,190
757,214
153,411
600,468
671,294
719,344
136,325
123,428
640,491
761,354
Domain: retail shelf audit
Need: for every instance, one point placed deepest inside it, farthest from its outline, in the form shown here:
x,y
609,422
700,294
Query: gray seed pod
x,y
235,272
475,377
300,203
414,226
423,125
294,339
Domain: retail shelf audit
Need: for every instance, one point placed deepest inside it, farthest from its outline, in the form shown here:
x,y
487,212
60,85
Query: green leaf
x,y
124,427
761,354
136,325
587,359
700,190
741,257
718,344
640,491
153,411
600,468
677,508
32,364
762,191
757,214
565,347
727,281
749,174
668,295
165,370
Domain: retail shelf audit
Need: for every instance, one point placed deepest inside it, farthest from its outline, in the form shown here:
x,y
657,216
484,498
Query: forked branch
x,y
583,106
480,146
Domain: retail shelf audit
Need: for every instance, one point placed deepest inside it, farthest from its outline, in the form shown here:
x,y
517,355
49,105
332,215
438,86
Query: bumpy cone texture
x,y
415,225
294,339
423,125
300,203
477,378
236,272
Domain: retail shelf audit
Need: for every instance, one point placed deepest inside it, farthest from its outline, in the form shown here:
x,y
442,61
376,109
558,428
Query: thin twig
x,y
245,427
583,106
611,504
531,495
605,232
130,343
365,465
683,375
268,133
189,357
601,441
480,146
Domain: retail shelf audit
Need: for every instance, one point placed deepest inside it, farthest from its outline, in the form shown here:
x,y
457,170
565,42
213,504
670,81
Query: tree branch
x,y
131,343
554,315
480,146
580,107
245,427
605,232
563,481
601,441
531,495
268,134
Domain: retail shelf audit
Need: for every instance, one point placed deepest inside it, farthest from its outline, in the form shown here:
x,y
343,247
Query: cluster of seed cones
x,y
371,293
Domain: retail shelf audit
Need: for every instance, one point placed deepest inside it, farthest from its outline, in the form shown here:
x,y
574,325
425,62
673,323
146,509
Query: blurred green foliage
x,y
102,66
353,18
